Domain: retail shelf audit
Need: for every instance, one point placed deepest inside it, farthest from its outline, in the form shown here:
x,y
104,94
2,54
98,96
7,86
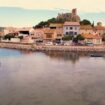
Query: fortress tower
x,y
73,17
74,12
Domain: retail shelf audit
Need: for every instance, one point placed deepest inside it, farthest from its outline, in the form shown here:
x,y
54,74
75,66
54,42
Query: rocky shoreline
x,y
33,47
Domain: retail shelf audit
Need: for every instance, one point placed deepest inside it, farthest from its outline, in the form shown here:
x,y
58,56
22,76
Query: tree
x,y
47,23
85,22
80,38
67,38
41,24
103,37
20,37
9,36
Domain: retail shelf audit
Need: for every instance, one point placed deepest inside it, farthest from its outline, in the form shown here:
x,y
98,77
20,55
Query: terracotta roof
x,y
86,27
91,36
99,28
71,24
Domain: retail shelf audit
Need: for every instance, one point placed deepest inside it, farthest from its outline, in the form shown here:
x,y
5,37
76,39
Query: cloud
x,y
82,5
30,17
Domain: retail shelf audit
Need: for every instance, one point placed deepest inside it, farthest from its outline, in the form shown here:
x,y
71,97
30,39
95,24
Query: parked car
x,y
68,43
49,43
89,44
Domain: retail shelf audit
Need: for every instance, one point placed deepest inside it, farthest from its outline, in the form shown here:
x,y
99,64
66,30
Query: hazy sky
x,y
82,5
30,17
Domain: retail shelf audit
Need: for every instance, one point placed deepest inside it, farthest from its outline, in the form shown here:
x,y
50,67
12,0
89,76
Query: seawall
x,y
19,46
34,47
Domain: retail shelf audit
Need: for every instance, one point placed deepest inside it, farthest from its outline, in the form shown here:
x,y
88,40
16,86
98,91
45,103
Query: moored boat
x,y
96,55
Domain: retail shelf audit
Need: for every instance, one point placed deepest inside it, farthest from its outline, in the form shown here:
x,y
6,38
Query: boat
x,y
96,55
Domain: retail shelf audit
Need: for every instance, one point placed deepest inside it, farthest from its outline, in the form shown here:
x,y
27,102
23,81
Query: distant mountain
x,y
15,16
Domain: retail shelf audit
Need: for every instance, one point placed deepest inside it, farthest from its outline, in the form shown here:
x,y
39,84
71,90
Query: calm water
x,y
51,78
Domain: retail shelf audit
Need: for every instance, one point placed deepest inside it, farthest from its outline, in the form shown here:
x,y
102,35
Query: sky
x,y
30,12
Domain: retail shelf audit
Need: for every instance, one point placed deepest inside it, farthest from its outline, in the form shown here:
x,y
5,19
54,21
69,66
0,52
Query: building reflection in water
x,y
26,52
69,56
66,56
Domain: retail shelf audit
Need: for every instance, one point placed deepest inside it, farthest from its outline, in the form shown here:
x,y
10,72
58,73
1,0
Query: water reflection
x,y
71,56
50,78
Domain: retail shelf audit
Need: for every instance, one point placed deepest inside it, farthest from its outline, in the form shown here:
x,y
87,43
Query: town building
x,y
1,31
27,39
11,30
86,29
71,28
100,29
56,25
93,39
37,34
25,31
53,35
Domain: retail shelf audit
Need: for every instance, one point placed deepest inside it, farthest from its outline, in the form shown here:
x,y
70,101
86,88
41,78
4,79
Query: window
x,y
66,28
67,33
75,33
75,28
70,33
48,36
59,35
71,28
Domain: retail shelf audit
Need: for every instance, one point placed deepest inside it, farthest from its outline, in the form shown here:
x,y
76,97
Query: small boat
x,y
96,55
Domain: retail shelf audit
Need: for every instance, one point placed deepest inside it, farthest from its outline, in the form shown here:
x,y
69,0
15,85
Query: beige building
x,y
95,39
55,25
86,29
99,29
37,34
27,39
10,30
52,34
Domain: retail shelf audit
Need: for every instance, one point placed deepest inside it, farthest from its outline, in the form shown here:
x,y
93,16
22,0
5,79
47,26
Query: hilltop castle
x,y
73,17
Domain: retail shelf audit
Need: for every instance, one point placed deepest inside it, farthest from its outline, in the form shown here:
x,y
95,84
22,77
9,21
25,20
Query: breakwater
x,y
34,47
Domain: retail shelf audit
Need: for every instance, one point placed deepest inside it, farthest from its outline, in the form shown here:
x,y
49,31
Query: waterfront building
x,y
86,29
99,28
1,34
71,28
37,34
53,34
27,39
1,31
25,31
94,39
11,30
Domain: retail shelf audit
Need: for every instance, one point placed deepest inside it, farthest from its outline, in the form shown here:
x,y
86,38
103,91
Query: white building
x,y
71,28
